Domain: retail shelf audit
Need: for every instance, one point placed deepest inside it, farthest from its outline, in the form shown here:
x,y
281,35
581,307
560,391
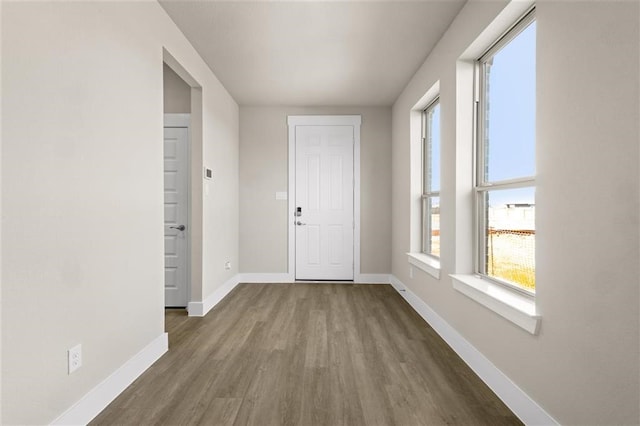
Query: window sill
x,y
516,308
428,264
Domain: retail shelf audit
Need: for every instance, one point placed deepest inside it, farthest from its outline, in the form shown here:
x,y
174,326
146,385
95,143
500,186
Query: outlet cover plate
x,y
74,357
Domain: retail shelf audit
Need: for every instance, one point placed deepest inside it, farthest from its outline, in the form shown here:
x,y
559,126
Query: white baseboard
x,y
266,278
289,278
90,405
372,279
200,309
515,398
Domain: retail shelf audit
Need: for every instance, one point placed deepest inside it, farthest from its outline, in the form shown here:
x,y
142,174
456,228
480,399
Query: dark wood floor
x,y
307,354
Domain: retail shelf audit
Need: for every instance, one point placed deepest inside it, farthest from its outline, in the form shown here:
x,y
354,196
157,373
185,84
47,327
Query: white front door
x,y
324,201
175,216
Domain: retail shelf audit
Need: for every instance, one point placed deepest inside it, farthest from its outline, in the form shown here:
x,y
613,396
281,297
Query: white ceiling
x,y
313,53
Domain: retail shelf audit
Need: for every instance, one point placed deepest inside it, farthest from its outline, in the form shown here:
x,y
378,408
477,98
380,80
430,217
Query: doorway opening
x,y
182,184
324,201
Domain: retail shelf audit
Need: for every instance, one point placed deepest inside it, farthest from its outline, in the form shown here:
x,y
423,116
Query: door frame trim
x,y
183,120
324,120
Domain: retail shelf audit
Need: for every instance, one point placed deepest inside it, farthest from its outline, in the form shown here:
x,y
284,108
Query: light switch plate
x,y
281,195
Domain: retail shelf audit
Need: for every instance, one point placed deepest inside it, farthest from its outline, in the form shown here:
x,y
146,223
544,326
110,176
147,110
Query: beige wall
x,y
82,191
583,367
263,172
177,93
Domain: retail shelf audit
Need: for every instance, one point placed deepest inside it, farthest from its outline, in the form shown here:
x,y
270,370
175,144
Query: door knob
x,y
179,227
300,223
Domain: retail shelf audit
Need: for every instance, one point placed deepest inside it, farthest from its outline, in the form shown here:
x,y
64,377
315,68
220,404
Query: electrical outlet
x,y
74,358
227,265
410,271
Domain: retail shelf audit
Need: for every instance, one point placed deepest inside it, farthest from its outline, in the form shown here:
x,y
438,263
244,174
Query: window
x,y
431,179
505,158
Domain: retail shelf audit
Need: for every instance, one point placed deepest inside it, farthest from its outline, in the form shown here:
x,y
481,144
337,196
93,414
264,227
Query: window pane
x,y
425,224
434,228
431,225
510,236
510,107
433,144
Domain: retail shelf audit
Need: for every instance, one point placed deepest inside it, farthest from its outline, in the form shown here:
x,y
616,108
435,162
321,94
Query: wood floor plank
x,y
344,405
316,353
220,411
307,354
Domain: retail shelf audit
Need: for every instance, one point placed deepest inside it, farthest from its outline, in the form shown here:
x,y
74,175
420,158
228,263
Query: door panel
x,y
324,192
313,244
313,183
336,243
175,214
336,196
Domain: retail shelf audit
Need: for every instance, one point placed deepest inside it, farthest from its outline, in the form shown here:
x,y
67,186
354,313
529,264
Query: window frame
x,y
427,194
481,186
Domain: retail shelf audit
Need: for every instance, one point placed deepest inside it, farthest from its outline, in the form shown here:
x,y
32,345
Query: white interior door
x,y
324,198
175,216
